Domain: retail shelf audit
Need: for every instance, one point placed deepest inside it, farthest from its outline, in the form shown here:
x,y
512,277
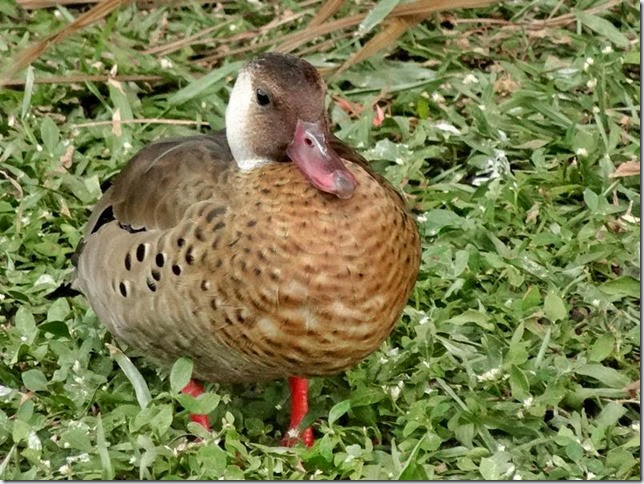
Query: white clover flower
x,y
166,64
595,302
636,426
590,475
588,62
76,366
66,469
501,448
422,218
489,375
527,403
596,109
437,98
470,79
33,442
127,146
395,390
58,15
399,161
592,83
482,107
583,152
38,148
607,50
423,320
393,352
517,477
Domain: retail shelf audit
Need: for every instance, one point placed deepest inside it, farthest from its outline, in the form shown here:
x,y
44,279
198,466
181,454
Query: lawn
x,y
514,132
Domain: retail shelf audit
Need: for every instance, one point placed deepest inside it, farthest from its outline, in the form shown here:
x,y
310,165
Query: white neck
x,y
236,123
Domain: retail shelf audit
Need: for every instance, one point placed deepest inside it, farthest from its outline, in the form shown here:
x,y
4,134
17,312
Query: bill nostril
x,y
308,142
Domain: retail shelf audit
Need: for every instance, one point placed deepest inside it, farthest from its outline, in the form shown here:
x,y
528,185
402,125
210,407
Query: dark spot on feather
x,y
265,191
227,320
128,262
240,316
151,285
257,271
218,263
247,250
190,258
160,259
105,217
129,229
199,234
215,212
213,303
215,243
176,269
218,226
251,223
156,275
140,252
204,285
181,242
123,289
261,256
274,276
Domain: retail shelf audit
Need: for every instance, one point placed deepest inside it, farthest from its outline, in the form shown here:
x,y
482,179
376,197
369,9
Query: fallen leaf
x,y
629,168
116,122
66,158
379,116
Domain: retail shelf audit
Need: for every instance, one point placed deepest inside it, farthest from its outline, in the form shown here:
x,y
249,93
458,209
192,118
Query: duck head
x,y
276,114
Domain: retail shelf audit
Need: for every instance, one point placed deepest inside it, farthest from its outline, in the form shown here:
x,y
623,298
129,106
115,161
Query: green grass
x,y
523,330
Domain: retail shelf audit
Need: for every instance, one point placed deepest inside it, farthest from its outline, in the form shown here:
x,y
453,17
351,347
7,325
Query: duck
x,y
267,250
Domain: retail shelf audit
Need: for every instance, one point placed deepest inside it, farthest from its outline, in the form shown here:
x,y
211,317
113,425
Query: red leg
x,y
195,389
299,407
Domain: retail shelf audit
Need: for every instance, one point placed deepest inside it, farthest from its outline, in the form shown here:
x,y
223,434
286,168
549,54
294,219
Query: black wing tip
x,y
64,290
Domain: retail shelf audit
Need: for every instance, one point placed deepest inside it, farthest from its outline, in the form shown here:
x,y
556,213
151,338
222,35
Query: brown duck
x,y
268,250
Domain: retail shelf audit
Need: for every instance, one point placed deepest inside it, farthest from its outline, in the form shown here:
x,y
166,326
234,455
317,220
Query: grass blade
x,y
136,379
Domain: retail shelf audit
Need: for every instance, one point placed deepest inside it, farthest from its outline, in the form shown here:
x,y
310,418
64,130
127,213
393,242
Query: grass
x,y
518,355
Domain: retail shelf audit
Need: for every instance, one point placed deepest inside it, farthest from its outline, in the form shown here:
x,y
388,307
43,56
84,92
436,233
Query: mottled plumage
x,y
255,274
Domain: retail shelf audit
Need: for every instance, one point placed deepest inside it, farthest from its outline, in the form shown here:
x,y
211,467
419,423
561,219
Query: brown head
x,y
276,113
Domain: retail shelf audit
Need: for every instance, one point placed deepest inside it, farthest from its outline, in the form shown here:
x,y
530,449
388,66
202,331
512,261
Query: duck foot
x,y
195,389
299,408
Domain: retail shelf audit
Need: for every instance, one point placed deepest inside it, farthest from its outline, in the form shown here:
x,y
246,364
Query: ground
x,y
513,130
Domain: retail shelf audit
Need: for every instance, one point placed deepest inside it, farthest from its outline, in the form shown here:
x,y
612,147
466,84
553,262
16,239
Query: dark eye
x,y
262,98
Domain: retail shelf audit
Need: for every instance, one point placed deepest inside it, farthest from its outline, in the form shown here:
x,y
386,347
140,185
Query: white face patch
x,y
237,127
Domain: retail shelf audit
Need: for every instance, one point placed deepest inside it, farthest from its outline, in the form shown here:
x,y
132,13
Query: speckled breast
x,y
282,280
309,284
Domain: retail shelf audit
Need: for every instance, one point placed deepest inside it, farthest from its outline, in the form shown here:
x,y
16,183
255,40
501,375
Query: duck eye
x,y
262,98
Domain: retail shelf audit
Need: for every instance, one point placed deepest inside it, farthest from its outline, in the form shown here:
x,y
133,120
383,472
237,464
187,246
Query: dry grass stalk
x,y
78,78
31,53
327,10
